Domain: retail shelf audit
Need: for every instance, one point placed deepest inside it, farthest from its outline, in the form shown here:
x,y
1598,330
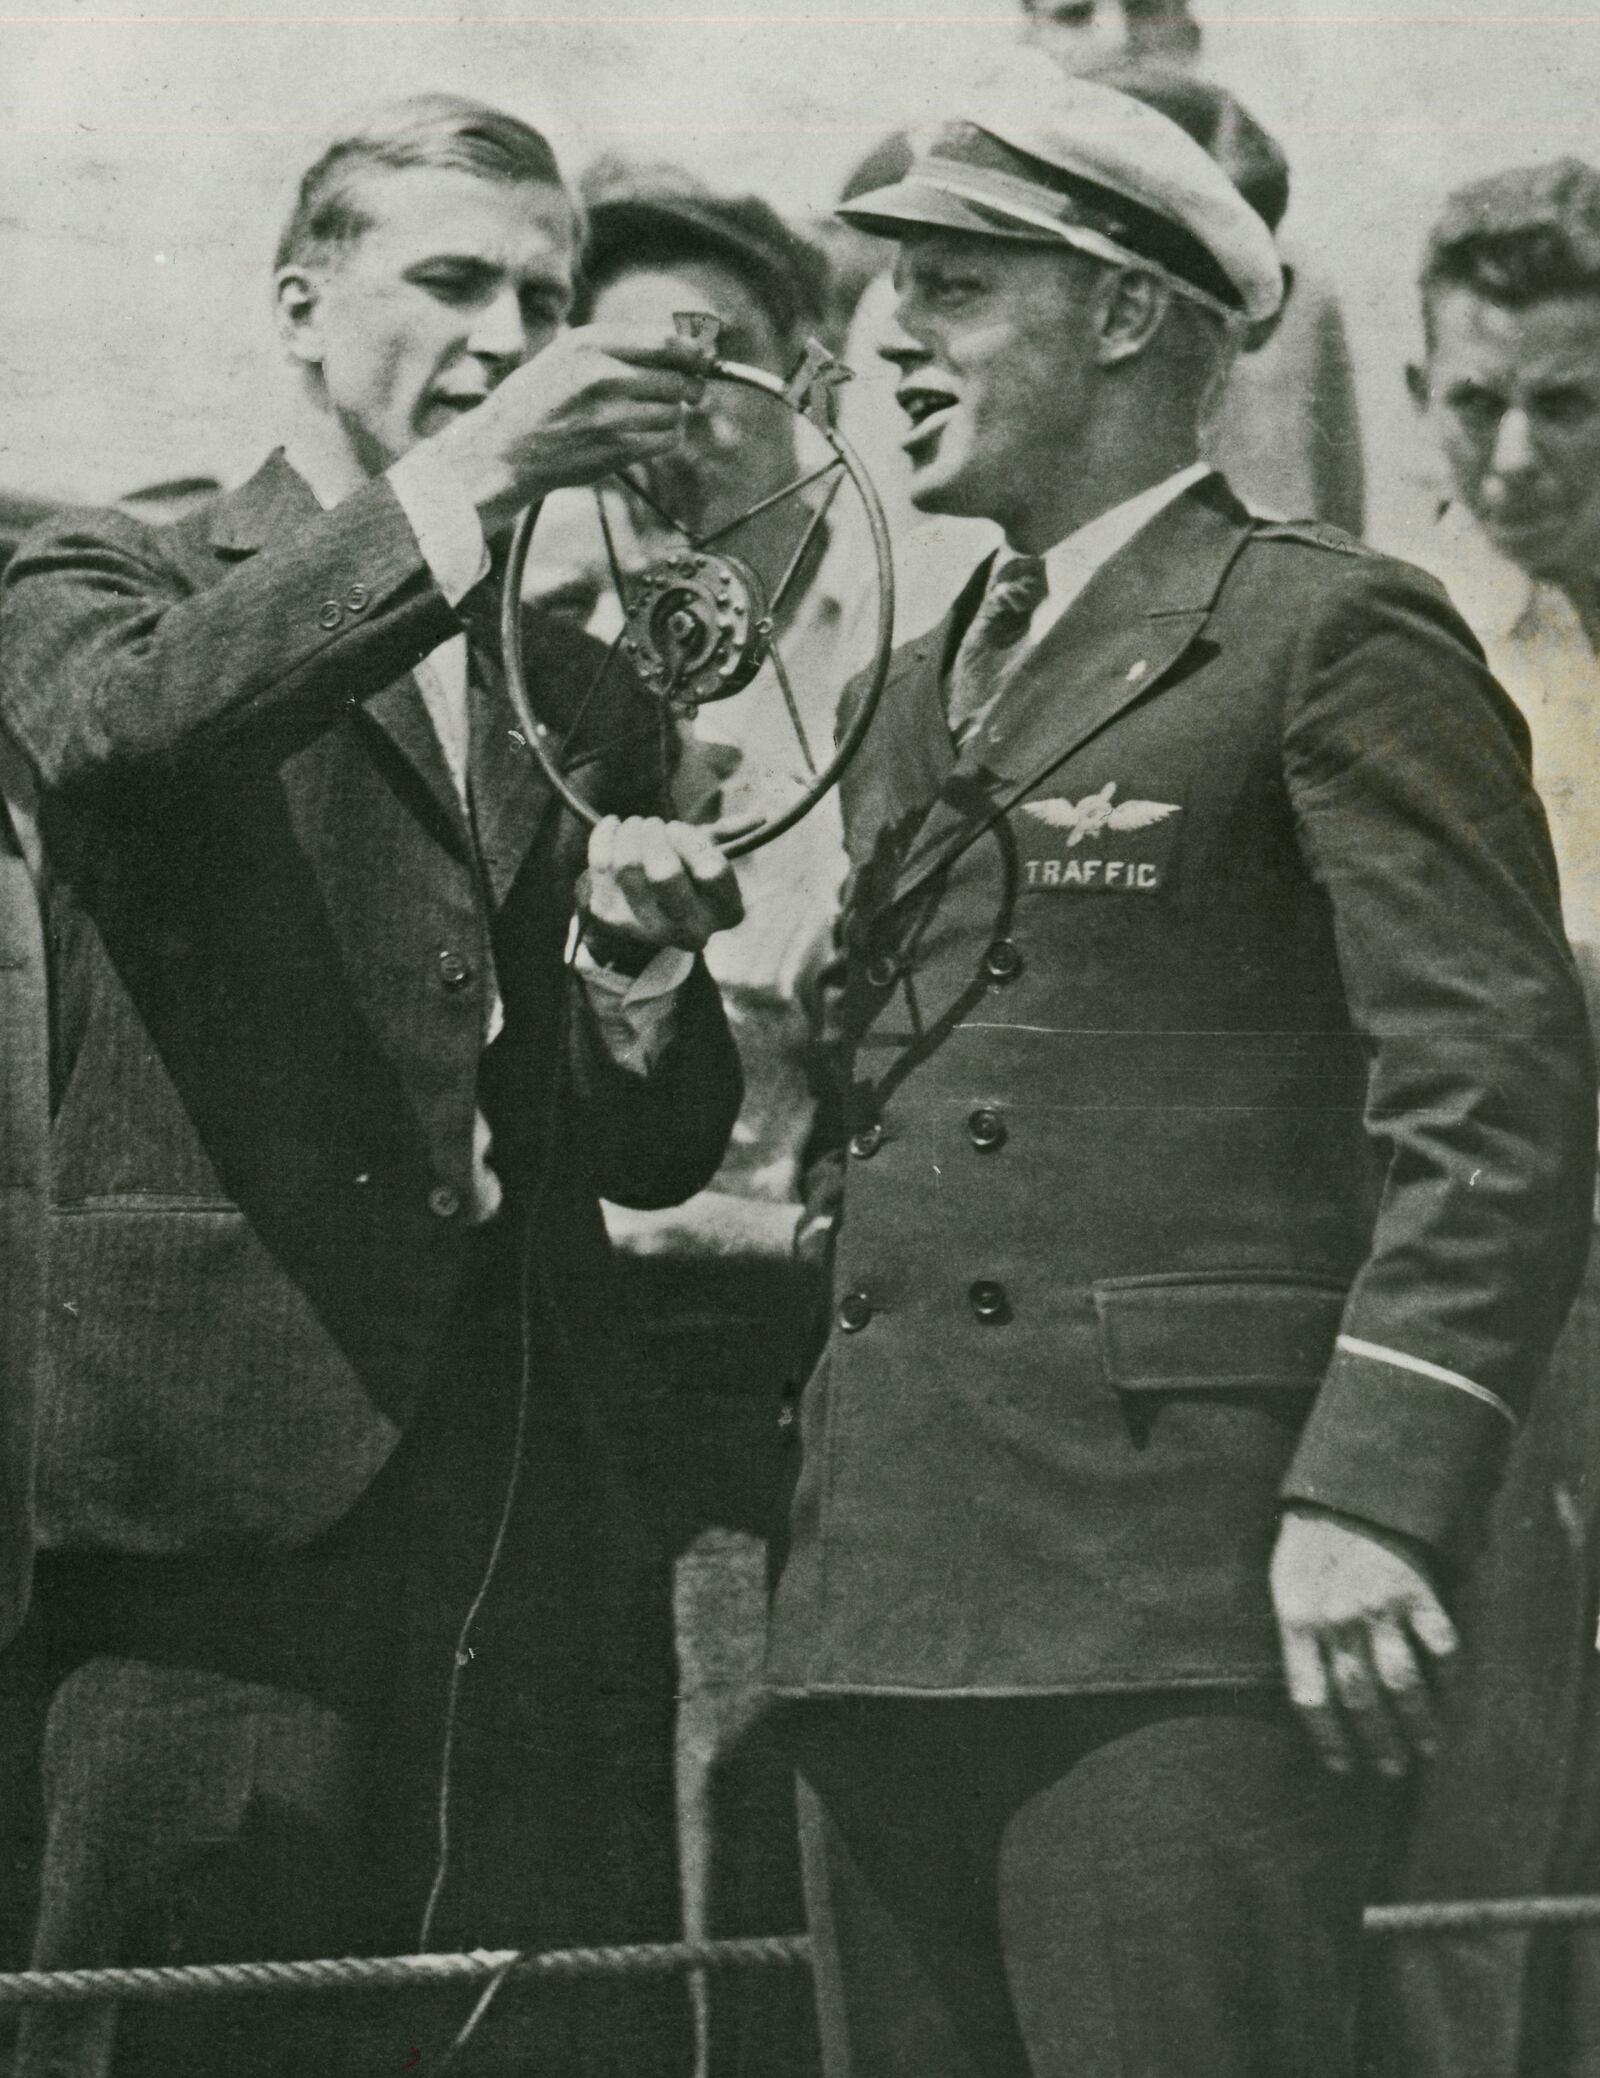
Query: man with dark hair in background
x,y
353,1630
1509,388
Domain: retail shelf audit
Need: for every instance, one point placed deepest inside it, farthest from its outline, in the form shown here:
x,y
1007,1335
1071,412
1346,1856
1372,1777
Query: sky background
x,y
146,159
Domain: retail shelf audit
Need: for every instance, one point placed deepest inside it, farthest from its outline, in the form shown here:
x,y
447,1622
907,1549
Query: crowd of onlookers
x,y
724,1287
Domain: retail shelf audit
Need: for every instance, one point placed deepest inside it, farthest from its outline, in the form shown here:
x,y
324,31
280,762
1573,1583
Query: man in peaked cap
x,y
1208,1176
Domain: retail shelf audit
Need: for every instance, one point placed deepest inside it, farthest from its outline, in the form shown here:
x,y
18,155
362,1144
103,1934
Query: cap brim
x,y
890,212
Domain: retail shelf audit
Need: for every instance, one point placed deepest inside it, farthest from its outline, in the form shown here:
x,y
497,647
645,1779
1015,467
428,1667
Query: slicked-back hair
x,y
1518,237
441,132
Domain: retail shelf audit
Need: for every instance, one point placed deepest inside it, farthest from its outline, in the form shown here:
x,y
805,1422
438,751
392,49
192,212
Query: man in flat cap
x,y
1210,1173
1509,388
718,1288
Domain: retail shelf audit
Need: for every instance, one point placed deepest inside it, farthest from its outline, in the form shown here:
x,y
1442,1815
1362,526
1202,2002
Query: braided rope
x,y
644,1958
1479,1916
380,1972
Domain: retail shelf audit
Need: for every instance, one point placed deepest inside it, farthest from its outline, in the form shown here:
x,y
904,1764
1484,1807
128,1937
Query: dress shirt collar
x,y
1070,565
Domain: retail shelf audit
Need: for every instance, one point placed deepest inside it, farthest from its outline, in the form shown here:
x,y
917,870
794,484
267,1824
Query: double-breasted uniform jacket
x,y
273,945
1215,1122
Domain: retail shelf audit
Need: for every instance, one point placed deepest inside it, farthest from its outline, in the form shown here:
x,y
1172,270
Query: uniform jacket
x,y
273,952
1219,1115
24,1152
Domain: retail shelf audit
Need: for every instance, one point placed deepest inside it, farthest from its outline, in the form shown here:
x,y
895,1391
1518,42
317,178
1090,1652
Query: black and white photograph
x,y
799,959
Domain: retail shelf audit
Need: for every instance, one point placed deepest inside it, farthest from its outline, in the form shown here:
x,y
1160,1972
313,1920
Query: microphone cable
x,y
462,1656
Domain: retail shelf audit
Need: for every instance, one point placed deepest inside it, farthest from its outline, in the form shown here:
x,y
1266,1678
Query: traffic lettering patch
x,y
1100,843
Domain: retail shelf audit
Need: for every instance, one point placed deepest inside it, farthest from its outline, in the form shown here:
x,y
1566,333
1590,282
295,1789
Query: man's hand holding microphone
x,y
596,400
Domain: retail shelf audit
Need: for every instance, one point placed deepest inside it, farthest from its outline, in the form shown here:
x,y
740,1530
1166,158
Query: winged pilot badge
x,y
1096,813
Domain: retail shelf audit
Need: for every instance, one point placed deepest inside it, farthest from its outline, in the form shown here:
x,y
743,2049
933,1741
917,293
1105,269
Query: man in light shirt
x,y
354,1639
1509,387
1207,1172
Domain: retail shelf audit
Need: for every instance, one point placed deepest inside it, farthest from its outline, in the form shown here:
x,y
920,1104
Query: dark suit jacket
x,y
24,1184
272,956
1212,1007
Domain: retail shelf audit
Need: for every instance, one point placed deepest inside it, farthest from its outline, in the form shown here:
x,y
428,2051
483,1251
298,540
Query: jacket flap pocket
x,y
1221,1332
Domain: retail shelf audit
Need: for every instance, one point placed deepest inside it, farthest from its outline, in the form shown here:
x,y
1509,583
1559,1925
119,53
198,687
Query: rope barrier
x,y
390,1972
1479,1916
641,1959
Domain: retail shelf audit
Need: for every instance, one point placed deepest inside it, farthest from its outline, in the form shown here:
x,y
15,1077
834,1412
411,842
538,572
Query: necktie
x,y
1016,590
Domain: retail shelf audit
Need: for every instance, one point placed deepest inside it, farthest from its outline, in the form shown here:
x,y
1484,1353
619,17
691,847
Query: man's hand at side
x,y
595,400
1363,1632
654,884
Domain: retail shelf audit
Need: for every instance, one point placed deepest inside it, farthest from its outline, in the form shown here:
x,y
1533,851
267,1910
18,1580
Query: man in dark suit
x,y
352,1629
1212,1172
24,1157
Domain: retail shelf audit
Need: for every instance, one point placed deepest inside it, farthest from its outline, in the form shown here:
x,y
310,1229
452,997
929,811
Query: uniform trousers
x,y
242,1757
1139,1886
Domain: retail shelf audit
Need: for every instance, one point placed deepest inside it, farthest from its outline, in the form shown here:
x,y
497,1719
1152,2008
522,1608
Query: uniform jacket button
x,y
989,1302
358,598
329,613
855,1310
444,1202
1002,962
865,1144
454,971
881,971
986,1129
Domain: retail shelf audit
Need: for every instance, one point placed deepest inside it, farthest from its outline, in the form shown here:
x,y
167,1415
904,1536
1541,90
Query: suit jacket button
x,y
358,598
443,1201
989,1302
881,971
865,1144
329,613
454,971
855,1310
986,1129
1002,962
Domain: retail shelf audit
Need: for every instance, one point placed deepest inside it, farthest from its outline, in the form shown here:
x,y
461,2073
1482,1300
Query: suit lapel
x,y
401,713
509,796
275,503
1114,646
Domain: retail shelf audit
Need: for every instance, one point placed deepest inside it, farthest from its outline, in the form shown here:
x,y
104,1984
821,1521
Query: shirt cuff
x,y
636,1013
444,520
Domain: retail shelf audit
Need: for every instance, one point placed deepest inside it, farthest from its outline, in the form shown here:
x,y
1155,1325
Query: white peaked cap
x,y
1034,154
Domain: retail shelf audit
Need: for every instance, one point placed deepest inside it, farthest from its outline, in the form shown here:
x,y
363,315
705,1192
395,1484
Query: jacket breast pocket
x,y
1217,1332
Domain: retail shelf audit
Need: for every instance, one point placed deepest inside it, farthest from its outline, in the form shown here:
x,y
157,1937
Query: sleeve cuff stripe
x,y
1378,1353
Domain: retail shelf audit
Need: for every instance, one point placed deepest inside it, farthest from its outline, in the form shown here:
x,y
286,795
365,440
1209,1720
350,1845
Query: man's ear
x,y
1132,311
297,307
1255,335
1417,386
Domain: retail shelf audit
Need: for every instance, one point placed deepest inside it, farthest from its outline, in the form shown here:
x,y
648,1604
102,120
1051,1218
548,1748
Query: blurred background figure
x,y
1509,388
1085,34
714,1279
1286,429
